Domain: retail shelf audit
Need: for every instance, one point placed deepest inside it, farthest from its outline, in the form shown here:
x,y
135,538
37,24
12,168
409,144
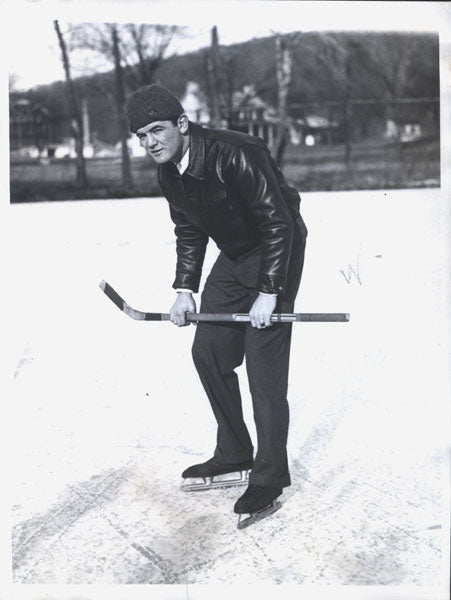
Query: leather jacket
x,y
233,192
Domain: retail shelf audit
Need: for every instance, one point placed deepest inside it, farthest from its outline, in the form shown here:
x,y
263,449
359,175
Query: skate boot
x,y
213,474
258,502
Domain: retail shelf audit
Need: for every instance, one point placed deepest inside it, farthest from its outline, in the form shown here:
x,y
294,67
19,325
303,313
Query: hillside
x,y
380,66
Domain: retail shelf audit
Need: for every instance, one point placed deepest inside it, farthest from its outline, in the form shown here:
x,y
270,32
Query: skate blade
x,y
220,481
259,515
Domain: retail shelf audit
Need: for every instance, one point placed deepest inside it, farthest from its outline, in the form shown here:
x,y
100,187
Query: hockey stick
x,y
237,317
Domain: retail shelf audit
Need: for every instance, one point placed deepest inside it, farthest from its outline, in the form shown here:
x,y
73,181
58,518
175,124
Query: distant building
x,y
29,126
251,114
404,130
317,129
195,104
410,131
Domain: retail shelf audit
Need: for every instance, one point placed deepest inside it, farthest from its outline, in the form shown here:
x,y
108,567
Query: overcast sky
x,y
33,55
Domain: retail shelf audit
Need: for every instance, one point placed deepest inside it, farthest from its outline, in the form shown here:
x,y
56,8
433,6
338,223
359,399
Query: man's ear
x,y
183,123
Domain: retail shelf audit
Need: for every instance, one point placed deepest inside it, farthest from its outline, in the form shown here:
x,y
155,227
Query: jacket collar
x,y
196,167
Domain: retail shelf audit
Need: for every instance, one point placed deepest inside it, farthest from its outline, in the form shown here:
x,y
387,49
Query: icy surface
x,y
106,412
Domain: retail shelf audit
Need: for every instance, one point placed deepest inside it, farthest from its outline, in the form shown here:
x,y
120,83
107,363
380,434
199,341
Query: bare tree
x,y
136,52
104,41
75,113
389,64
214,67
144,48
337,59
285,46
127,181
359,63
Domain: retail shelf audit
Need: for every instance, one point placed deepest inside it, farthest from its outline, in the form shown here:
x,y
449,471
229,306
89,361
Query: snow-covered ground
x,y
104,412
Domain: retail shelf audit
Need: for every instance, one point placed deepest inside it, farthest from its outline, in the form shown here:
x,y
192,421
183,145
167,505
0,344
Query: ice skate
x,y
213,474
258,502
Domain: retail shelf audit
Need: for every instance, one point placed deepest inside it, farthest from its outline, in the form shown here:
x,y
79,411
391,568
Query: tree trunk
x,y
347,109
76,119
284,63
229,73
127,181
347,132
213,79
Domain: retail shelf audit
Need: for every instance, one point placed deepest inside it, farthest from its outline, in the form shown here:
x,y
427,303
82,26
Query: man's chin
x,y
159,158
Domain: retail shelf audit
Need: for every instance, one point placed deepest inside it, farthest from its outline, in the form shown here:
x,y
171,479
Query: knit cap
x,y
152,103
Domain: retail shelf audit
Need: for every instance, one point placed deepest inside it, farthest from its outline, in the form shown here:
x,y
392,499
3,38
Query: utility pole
x,y
214,79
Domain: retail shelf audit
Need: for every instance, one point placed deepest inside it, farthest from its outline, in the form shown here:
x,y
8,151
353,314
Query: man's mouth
x,y
156,152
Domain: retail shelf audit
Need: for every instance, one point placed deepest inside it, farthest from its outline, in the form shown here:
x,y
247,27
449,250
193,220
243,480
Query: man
x,y
224,185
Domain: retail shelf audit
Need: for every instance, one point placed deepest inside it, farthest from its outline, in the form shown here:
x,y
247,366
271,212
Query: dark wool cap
x,y
152,103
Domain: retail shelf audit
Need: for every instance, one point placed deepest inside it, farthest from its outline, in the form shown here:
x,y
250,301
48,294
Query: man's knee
x,y
198,350
205,346
216,347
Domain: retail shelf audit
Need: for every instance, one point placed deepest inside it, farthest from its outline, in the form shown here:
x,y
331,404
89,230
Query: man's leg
x,y
267,354
218,349
267,359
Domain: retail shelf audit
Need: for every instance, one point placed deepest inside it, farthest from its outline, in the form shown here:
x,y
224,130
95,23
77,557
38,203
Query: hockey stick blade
x,y
140,315
112,294
126,308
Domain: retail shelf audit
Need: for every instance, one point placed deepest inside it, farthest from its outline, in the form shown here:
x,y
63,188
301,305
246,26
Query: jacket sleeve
x,y
251,175
191,244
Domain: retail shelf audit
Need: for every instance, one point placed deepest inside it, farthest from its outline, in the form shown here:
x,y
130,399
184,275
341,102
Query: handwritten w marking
x,y
352,272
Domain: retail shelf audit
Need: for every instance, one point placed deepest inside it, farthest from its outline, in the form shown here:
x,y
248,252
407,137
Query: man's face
x,y
165,141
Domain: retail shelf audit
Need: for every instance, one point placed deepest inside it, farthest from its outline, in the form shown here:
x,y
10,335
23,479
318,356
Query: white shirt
x,y
184,162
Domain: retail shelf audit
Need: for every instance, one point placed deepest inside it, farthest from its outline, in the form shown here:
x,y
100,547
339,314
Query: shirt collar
x,y
195,156
184,162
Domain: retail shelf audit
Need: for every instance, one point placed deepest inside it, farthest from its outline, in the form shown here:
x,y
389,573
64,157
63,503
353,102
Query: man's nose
x,y
151,141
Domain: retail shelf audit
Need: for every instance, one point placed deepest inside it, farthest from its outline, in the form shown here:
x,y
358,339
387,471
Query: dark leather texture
x,y
233,192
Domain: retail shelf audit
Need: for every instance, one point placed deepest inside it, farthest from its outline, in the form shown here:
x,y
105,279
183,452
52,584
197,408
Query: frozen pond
x,y
106,412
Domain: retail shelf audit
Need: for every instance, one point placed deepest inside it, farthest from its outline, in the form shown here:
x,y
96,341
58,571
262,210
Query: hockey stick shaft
x,y
218,317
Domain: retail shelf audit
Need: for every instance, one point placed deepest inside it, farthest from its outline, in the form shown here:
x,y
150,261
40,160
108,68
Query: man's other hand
x,y
184,303
262,310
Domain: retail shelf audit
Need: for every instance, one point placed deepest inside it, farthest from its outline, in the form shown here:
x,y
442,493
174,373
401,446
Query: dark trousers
x,y
219,348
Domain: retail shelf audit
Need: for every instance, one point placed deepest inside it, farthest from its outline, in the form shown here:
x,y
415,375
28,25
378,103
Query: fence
x,y
338,144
